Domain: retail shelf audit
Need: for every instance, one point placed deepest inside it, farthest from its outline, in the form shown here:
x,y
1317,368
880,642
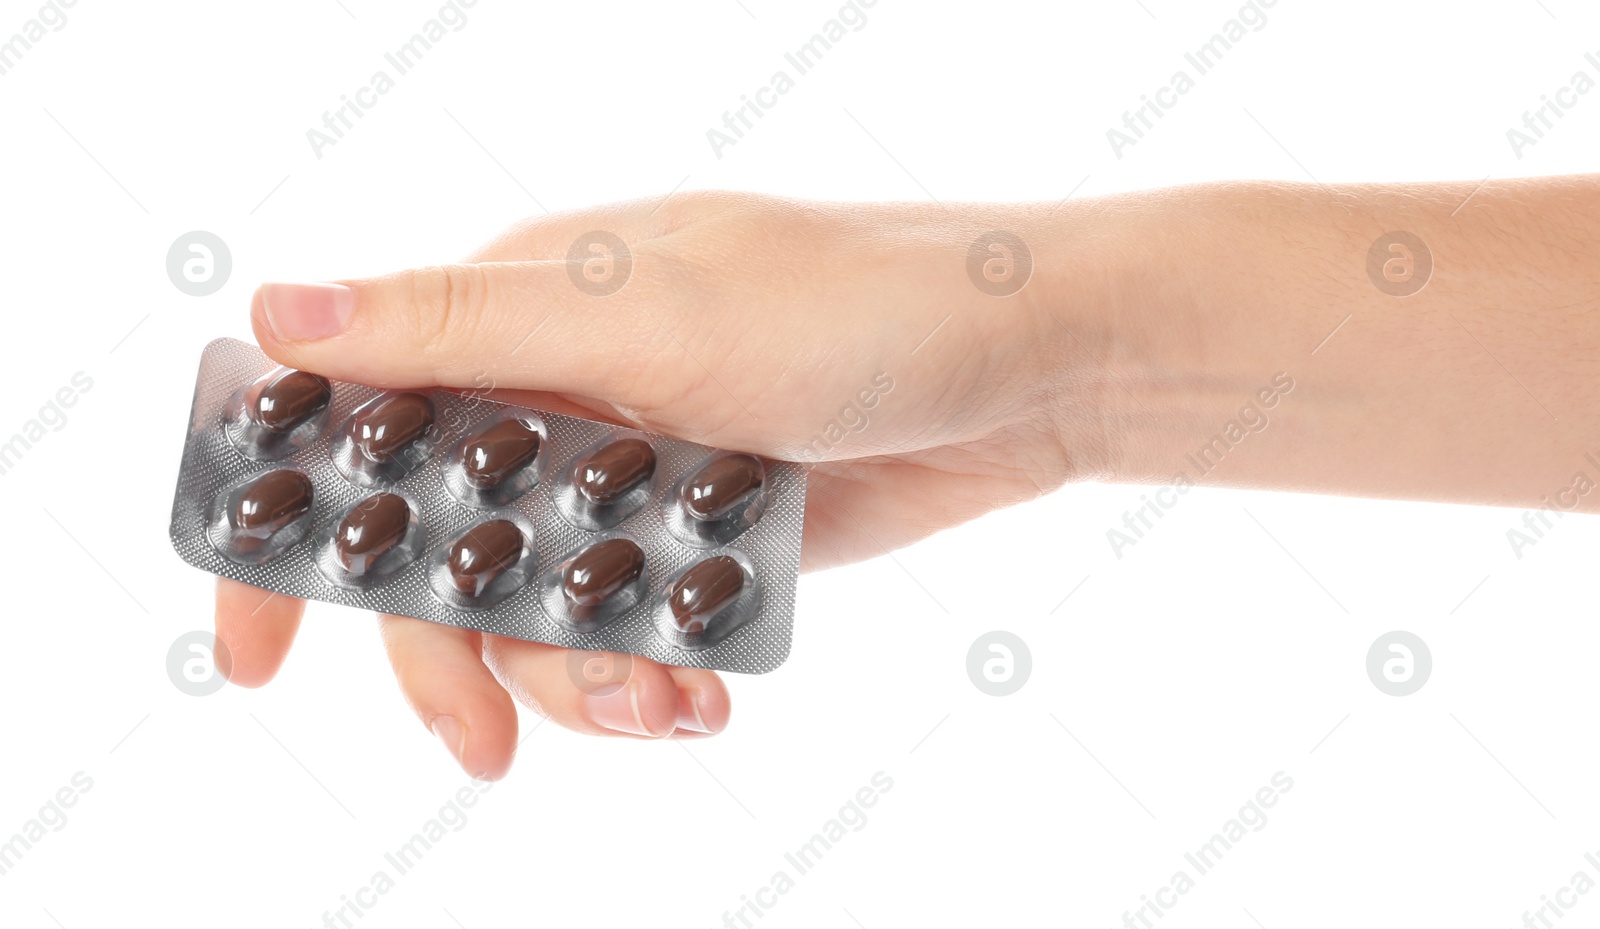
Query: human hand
x,y
848,336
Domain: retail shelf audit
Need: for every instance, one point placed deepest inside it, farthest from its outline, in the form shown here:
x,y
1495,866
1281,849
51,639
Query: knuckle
x,y
448,303
692,208
703,203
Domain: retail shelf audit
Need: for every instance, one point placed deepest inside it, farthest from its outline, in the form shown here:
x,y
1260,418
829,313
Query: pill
x,y
702,591
289,398
370,531
385,429
495,453
482,554
606,474
271,502
721,486
598,572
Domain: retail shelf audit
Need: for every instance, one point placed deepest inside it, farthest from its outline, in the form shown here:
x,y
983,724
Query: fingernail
x,y
689,713
618,711
450,733
299,312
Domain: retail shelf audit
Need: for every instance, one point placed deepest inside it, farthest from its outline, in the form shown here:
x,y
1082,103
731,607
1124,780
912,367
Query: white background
x,y
1168,688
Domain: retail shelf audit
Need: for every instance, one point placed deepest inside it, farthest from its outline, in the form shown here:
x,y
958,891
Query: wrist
x,y
1090,273
1155,330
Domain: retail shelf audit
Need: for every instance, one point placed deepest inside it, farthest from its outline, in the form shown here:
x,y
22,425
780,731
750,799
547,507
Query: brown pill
x,y
370,531
494,454
289,399
606,474
273,501
601,570
485,552
386,429
703,590
721,486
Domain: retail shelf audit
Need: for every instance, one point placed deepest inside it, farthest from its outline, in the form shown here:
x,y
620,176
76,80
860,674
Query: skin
x,y
1149,322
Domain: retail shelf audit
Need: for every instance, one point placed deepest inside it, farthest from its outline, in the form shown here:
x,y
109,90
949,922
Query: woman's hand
x,y
851,337
906,352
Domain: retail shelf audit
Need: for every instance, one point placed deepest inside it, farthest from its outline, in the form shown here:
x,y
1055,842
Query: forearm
x,y
1231,335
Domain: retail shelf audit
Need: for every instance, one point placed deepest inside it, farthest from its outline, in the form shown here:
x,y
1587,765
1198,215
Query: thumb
x,y
510,324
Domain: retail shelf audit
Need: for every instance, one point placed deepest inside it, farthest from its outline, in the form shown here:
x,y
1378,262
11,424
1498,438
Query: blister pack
x,y
463,510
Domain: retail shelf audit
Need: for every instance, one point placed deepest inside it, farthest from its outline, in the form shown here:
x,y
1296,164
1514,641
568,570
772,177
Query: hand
x,y
853,337
848,336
